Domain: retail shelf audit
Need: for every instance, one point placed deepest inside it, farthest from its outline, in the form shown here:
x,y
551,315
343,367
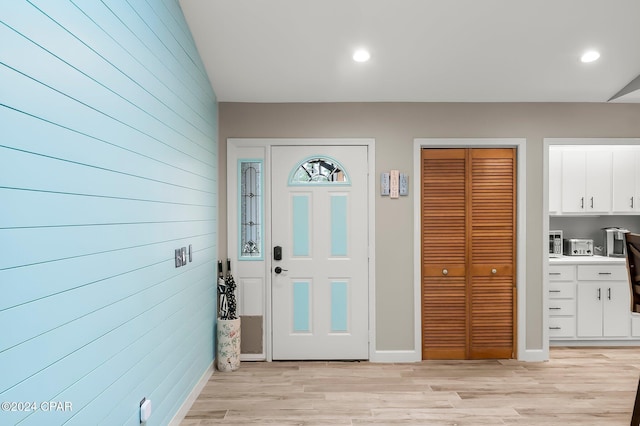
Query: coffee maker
x,y
614,242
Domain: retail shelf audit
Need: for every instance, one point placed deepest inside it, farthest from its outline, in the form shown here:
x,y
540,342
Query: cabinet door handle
x,y
604,273
609,293
555,273
555,309
555,328
631,202
591,202
582,202
599,294
554,291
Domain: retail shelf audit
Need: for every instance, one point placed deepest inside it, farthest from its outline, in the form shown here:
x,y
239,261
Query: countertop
x,y
582,260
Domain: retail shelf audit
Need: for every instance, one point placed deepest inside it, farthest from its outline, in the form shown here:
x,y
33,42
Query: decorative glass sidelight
x,y
251,204
318,170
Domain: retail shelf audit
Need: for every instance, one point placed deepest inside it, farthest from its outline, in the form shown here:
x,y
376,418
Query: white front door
x,y
319,219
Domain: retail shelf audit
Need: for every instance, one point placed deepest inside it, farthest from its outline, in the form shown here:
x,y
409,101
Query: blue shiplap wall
x,y
108,153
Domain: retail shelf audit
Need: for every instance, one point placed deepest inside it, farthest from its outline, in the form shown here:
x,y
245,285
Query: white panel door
x,y
320,295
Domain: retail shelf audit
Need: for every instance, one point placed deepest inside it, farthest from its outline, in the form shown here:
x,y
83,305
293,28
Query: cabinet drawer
x,y
602,273
562,290
562,327
562,273
562,307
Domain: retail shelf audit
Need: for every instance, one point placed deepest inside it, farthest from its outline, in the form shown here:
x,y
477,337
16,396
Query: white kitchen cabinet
x,y
626,181
586,180
562,301
602,301
555,175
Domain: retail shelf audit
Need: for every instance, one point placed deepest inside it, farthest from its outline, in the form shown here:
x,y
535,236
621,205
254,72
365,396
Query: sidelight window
x,y
251,205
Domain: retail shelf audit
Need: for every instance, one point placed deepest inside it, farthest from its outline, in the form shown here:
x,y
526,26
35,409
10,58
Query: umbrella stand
x,y
228,327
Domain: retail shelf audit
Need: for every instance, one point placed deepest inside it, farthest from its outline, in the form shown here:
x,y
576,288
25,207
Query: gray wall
x,y
394,126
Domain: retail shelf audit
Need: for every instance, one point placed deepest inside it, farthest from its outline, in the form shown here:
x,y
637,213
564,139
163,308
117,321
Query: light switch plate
x,y
384,183
394,183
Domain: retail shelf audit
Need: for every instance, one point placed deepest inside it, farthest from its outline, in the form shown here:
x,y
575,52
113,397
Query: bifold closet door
x,y
444,311
468,253
492,219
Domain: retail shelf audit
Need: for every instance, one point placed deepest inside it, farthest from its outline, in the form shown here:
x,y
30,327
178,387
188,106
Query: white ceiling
x,y
421,50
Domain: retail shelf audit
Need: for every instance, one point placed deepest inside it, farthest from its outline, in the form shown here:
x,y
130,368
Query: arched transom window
x,y
319,170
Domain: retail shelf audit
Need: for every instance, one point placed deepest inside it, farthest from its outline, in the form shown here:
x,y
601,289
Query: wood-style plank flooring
x,y
578,386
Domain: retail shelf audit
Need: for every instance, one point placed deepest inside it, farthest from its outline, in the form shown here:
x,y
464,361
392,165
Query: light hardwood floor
x,y
594,386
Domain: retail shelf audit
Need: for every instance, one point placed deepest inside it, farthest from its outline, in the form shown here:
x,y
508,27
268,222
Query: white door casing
x,y
320,298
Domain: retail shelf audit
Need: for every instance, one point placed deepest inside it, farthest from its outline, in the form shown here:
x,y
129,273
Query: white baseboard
x,y
414,356
252,357
193,395
534,355
395,356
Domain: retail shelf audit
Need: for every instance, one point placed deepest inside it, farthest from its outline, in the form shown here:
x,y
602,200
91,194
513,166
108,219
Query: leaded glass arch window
x,y
319,170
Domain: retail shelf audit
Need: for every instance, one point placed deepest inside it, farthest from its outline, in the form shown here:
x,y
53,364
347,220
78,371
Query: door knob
x,y
279,270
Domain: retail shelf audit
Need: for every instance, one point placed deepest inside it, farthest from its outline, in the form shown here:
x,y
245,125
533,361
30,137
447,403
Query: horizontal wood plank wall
x,y
108,163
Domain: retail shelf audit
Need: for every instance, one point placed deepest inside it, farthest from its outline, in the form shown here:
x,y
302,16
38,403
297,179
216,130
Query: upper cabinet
x,y
626,185
586,181
555,175
594,180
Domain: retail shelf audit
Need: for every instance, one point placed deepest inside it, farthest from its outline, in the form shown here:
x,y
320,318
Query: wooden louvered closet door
x,y
468,253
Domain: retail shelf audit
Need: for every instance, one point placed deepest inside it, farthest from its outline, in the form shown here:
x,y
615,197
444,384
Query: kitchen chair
x,y
632,243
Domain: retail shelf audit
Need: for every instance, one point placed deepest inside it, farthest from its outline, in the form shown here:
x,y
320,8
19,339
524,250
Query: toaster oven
x,y
578,247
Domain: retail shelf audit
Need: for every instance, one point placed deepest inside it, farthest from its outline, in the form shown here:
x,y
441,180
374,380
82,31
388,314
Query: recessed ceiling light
x,y
590,56
361,55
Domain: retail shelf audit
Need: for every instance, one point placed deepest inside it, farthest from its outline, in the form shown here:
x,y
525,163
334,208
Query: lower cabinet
x,y
589,303
603,309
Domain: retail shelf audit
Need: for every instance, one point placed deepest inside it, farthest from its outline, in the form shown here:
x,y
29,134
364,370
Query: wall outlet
x,y
145,410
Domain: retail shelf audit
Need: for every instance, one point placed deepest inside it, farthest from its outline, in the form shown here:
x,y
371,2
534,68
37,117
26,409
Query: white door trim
x,y
266,144
520,145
